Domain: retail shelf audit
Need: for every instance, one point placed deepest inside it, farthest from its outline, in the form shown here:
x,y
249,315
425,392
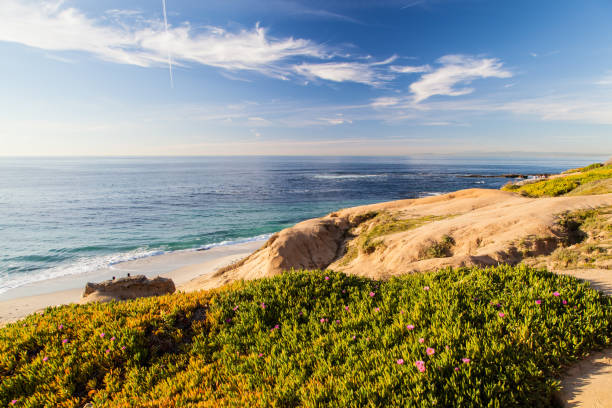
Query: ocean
x,y
65,216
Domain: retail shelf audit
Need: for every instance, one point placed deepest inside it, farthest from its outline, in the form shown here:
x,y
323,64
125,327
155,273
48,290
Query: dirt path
x,y
588,383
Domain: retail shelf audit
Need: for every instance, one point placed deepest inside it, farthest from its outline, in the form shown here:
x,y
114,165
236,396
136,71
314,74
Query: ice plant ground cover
x,y
554,187
494,337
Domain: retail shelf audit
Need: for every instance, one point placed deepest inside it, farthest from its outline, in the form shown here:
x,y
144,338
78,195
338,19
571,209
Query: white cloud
x,y
456,69
338,120
385,101
364,73
48,25
410,69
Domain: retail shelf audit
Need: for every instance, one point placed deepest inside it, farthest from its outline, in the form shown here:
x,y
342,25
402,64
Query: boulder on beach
x,y
609,162
127,288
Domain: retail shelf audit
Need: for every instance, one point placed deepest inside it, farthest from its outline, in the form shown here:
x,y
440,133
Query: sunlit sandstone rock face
x,y
127,288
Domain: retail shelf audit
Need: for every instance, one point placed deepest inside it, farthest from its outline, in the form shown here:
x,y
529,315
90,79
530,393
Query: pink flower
x,y
426,288
235,308
263,305
354,337
556,293
45,358
420,365
501,314
538,302
260,355
322,320
377,309
337,321
421,340
64,341
102,335
430,351
343,290
327,278
456,368
466,360
113,338
346,308
122,347
410,326
61,326
447,348
275,328
107,351
372,294
401,312
400,361
13,402
564,302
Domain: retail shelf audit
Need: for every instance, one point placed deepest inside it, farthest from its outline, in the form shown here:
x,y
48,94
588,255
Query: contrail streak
x,y
167,44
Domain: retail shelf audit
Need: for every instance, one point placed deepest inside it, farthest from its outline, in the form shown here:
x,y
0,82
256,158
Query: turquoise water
x,y
65,216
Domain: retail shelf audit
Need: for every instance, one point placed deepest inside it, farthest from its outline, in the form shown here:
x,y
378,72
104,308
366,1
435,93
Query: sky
x,y
305,77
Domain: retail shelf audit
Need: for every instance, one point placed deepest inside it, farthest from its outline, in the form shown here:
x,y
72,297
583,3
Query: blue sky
x,y
92,77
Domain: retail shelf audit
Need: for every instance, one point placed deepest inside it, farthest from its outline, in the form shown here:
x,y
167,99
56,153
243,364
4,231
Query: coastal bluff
x,y
463,228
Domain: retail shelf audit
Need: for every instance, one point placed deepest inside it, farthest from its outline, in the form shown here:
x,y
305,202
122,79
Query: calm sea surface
x,y
66,216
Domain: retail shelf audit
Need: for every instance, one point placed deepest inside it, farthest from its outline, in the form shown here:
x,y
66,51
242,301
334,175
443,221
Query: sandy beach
x,y
182,267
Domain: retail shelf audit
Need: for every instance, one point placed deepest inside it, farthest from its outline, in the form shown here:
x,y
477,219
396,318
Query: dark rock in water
x,y
127,288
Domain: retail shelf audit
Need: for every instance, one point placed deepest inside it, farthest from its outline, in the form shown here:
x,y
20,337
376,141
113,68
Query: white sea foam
x,y
92,264
237,241
430,193
346,176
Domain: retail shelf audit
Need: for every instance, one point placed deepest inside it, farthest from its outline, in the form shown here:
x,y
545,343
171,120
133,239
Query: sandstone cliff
x,y
462,228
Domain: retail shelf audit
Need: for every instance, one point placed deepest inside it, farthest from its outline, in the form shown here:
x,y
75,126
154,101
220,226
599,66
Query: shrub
x,y
438,249
468,337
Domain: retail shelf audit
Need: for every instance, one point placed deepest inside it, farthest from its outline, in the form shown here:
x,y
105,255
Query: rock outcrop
x,y
127,288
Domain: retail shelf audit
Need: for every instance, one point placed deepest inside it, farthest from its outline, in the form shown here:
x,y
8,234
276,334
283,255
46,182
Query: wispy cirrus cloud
x,y
359,72
564,108
49,25
127,37
456,70
594,109
385,101
410,69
